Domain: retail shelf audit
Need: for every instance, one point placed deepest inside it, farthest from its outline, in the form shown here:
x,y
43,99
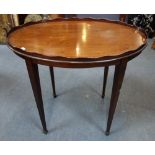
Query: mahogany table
x,y
77,43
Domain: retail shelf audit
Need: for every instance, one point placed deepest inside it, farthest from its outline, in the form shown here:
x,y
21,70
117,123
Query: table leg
x,y
35,83
53,81
117,83
105,80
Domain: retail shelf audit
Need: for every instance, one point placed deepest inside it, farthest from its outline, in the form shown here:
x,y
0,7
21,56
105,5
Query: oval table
x,y
77,43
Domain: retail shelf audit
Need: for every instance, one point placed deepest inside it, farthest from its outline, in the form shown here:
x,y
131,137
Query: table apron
x,y
77,64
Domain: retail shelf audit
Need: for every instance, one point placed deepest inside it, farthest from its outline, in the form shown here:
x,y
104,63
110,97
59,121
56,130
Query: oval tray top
x,y
77,39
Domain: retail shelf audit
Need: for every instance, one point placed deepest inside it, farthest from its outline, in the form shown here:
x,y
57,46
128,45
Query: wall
x,y
107,16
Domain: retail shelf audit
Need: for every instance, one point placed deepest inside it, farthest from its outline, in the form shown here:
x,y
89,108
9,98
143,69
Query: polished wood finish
x,y
53,81
77,39
105,80
77,43
35,83
117,83
153,45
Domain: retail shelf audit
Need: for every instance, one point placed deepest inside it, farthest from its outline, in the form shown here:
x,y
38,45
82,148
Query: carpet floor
x,y
78,113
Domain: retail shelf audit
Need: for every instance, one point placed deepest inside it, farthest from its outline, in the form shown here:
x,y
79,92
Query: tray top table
x,y
77,43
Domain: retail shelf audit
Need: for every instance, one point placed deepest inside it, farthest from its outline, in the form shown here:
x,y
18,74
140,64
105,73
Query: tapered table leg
x,y
53,81
35,83
117,83
105,80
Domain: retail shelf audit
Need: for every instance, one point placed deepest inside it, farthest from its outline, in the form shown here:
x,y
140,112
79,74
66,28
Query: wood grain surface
x,y
77,38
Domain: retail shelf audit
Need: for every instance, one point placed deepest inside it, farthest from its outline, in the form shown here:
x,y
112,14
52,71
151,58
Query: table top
x,y
77,38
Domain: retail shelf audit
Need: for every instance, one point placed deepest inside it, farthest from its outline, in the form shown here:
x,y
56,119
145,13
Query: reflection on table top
x,y
77,39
